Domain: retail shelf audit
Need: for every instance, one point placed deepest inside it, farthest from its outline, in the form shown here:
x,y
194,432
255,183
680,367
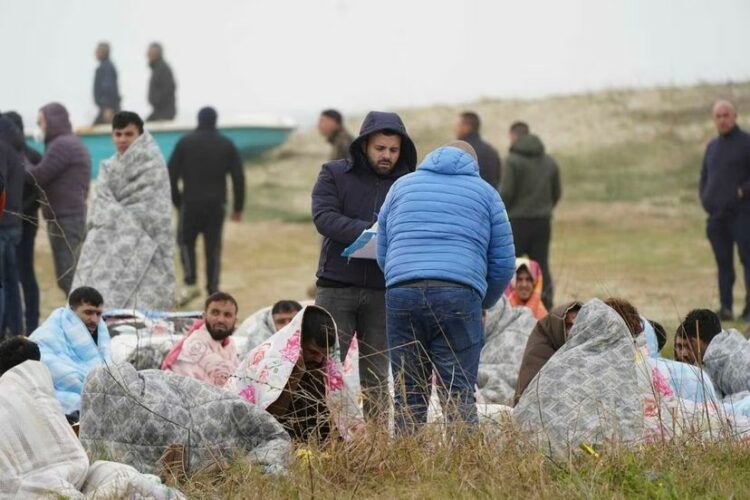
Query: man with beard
x,y
346,200
208,353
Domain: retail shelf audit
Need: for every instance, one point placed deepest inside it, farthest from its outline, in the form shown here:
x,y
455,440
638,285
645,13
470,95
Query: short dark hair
x,y
286,306
318,327
221,297
15,118
157,46
15,351
85,295
124,118
628,313
701,323
105,46
660,332
472,120
520,128
333,114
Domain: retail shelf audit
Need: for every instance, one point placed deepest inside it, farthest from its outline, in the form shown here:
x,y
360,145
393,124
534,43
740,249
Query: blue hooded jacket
x,y
443,222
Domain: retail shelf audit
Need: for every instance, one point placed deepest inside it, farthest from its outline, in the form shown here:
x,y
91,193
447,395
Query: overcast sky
x,y
296,56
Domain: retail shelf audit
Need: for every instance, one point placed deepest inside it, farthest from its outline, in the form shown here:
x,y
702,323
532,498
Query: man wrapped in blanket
x,y
72,341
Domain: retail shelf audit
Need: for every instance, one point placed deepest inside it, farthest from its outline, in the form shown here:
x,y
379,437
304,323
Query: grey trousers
x,y
362,310
66,235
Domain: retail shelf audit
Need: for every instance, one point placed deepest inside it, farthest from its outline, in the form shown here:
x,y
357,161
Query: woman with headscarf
x,y
526,287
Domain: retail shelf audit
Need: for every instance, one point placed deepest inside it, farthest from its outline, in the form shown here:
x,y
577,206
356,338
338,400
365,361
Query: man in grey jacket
x,y
531,189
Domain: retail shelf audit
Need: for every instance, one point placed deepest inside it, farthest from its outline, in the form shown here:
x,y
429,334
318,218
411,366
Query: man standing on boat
x,y
202,160
162,87
106,93
345,201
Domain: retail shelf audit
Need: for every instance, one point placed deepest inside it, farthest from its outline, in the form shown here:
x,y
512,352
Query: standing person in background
x,y
466,129
331,126
161,87
725,195
63,177
446,258
12,170
106,93
29,225
345,201
531,189
202,160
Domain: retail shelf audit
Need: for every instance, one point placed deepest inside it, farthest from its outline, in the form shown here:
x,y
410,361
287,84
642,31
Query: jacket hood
x,y
58,121
449,160
10,134
378,121
528,145
207,118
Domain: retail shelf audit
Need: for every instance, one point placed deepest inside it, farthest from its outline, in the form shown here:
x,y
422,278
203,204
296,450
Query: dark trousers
x,y
532,238
724,233
440,329
27,276
66,235
362,311
206,219
10,296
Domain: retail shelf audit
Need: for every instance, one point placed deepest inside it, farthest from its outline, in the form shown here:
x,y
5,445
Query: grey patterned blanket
x,y
128,254
133,417
727,361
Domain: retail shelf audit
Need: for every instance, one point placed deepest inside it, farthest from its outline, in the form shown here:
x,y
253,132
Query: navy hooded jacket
x,y
346,200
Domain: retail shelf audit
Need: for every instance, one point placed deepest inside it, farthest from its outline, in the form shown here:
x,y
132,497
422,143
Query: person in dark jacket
x,y
12,164
161,87
531,189
63,177
446,247
331,126
29,225
725,195
345,201
466,129
106,93
201,161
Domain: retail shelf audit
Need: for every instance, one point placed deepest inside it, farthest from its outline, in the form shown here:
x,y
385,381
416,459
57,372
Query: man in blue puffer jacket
x,y
446,247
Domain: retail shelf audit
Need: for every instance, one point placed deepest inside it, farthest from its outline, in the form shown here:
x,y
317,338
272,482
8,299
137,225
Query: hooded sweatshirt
x,y
531,183
346,200
12,165
64,173
444,222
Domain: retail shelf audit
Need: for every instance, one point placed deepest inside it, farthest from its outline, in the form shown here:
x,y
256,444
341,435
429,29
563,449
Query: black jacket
x,y
202,160
726,168
12,170
161,92
106,93
346,199
488,159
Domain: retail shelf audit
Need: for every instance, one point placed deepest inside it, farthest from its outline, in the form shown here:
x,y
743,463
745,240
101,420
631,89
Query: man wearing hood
x,y
161,87
63,178
29,226
446,247
202,160
106,93
531,189
129,249
12,170
346,200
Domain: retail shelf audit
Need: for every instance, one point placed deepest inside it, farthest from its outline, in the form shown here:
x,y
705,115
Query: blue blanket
x,y
69,352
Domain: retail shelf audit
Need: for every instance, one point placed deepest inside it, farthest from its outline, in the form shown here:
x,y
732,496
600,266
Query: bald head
x,y
725,116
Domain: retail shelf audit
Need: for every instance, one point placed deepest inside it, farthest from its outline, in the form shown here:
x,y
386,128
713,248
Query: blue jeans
x,y
440,329
11,311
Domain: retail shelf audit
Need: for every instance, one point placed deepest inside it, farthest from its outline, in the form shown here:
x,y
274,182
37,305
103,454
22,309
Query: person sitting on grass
x,y
72,341
265,322
694,334
15,351
208,352
525,290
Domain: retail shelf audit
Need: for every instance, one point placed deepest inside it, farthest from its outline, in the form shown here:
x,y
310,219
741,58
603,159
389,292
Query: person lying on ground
x,y
208,353
72,341
525,289
551,333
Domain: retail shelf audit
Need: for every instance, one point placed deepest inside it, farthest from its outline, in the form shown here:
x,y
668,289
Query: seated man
x,y
15,351
525,289
692,337
208,353
551,333
263,323
72,341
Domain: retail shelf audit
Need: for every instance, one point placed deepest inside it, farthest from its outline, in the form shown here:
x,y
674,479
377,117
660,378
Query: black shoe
x,y
746,315
725,314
